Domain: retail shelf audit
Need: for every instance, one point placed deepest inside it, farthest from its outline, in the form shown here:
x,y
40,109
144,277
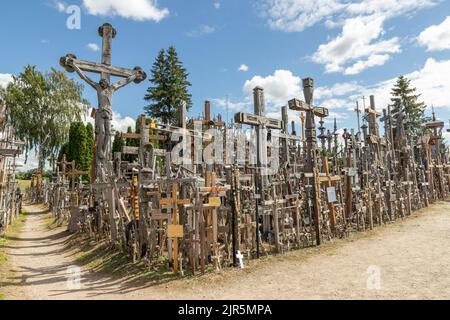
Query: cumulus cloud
x,y
243,68
360,45
217,4
297,15
436,37
139,10
119,122
201,31
357,42
93,46
5,78
279,88
432,82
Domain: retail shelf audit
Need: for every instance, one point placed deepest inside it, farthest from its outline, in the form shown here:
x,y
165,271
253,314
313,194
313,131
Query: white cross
x,y
241,259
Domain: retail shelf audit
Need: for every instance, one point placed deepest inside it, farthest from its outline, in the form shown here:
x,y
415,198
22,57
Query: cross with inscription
x,y
174,230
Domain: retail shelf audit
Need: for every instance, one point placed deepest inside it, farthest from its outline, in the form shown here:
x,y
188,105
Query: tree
x,y
90,142
41,109
169,87
405,99
64,151
118,143
78,147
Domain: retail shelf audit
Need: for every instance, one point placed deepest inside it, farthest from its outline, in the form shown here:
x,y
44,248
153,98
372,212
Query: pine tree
x,y
169,87
405,99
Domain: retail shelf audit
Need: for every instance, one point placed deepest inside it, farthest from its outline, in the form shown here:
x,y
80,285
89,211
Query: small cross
x,y
241,259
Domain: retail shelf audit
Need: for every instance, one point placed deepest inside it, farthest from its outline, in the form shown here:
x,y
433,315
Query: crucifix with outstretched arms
x,y
105,90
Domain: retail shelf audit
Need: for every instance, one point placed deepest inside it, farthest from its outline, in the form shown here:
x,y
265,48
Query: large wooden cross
x,y
105,91
174,230
311,145
260,122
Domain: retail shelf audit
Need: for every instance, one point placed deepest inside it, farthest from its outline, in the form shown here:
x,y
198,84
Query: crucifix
x,y
311,168
105,90
174,230
261,123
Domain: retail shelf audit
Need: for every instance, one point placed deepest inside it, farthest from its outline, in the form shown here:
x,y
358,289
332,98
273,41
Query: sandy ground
x,y
405,260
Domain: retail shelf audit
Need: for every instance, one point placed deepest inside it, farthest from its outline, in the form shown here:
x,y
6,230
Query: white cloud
x,y
436,37
357,43
279,88
372,61
201,31
360,45
5,78
243,68
432,82
139,10
234,106
217,4
119,123
297,15
93,47
59,5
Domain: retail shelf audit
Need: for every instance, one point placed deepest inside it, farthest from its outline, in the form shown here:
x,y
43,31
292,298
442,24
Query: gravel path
x,y
405,260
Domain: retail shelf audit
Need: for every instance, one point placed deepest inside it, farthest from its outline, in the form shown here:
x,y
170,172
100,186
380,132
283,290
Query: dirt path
x,y
412,258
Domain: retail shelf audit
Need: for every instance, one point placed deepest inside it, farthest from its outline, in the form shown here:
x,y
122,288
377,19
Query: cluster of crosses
x,y
197,215
10,149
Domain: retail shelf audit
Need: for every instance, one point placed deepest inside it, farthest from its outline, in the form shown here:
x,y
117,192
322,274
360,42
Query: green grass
x,y
24,184
13,230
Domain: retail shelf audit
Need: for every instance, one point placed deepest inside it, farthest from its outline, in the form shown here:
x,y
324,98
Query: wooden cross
x,y
260,122
174,230
104,90
311,145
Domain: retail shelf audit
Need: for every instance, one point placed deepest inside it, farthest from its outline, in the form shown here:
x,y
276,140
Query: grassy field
x,y
24,184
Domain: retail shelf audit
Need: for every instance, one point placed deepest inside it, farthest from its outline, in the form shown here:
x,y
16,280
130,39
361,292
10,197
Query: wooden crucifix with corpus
x,y
105,90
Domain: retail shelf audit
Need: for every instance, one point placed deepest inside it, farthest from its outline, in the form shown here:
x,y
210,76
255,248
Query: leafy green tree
x,y
131,143
90,142
78,146
64,151
169,87
41,108
405,99
118,143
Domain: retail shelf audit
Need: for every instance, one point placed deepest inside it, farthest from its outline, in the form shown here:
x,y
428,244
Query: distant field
x,y
23,184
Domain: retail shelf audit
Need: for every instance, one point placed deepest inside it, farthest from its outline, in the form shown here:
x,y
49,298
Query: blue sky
x,y
351,48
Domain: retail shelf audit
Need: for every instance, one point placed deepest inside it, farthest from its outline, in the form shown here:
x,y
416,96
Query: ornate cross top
x,y
105,91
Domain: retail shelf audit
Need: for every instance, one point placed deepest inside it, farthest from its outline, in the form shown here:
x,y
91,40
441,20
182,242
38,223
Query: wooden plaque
x,y
175,231
215,202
